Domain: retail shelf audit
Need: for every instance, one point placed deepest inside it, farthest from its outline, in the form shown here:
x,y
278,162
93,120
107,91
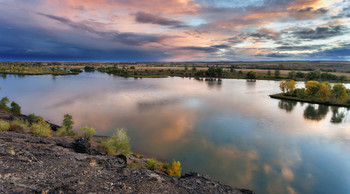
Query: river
x,y
231,130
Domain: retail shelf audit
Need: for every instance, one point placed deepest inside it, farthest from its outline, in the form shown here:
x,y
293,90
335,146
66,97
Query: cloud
x,y
319,32
143,17
125,38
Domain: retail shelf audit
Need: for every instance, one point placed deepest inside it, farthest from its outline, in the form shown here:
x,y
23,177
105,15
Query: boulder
x,y
81,145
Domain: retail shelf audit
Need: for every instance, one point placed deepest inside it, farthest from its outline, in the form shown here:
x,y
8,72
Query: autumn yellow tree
x,y
283,86
324,92
339,92
290,86
312,88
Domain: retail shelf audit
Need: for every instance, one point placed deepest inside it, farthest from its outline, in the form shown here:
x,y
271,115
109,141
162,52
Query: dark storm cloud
x,y
143,17
277,55
135,39
202,49
319,32
339,53
32,44
297,48
221,46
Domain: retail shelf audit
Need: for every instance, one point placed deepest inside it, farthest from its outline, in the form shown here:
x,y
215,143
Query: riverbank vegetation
x,y
301,71
21,68
315,92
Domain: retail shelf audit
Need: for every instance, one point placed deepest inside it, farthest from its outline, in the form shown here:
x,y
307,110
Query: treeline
x,y
316,75
317,91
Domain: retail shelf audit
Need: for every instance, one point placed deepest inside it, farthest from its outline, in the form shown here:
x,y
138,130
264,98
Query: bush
x,y
118,143
4,125
41,128
174,168
153,164
19,124
88,132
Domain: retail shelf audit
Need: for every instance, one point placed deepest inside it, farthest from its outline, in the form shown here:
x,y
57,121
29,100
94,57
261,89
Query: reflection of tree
x,y
315,114
337,117
4,75
287,105
213,83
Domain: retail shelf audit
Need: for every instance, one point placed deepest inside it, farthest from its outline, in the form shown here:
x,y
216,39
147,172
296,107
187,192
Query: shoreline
x,y
291,98
60,153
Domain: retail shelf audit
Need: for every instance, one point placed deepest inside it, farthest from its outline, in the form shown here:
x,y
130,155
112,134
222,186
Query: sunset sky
x,y
174,30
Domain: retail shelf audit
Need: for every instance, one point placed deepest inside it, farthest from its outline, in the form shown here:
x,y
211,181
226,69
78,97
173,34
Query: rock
x,y
81,145
123,158
55,169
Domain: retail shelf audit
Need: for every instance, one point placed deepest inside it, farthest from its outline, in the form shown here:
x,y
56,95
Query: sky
x,y
174,30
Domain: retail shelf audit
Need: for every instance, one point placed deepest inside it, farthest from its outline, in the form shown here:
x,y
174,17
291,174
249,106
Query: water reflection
x,y
235,133
337,117
287,105
213,83
317,114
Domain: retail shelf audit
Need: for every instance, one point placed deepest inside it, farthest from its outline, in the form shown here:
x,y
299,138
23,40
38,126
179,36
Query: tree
x,y
324,92
15,108
339,92
251,75
4,102
68,121
277,73
283,86
290,86
292,75
312,88
269,73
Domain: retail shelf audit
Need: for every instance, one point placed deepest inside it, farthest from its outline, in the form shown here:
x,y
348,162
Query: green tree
x,y
277,73
4,102
68,121
251,75
292,75
15,108
339,92
269,73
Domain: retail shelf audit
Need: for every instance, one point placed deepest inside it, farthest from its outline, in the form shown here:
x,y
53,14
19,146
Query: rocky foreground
x,y
33,164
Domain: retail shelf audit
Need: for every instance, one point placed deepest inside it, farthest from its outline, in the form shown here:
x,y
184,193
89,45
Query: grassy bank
x,y
292,98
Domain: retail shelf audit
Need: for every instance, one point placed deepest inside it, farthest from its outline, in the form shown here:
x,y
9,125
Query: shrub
x,y
41,128
21,122
174,168
139,156
118,143
15,127
4,125
88,132
153,164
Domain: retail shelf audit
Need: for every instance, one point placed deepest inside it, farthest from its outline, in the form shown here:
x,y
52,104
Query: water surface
x,y
230,130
